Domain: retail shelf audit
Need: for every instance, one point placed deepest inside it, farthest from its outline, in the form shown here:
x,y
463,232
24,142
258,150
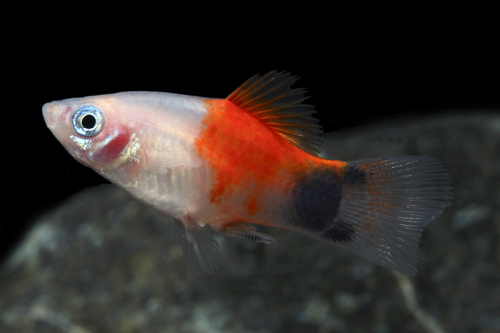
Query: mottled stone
x,y
102,262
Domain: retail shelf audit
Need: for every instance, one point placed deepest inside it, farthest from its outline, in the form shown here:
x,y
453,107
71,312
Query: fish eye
x,y
88,120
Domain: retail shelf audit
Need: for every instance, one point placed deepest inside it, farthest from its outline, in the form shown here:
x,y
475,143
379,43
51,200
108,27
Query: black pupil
x,y
88,121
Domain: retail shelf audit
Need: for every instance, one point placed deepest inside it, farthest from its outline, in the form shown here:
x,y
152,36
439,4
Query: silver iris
x,y
88,120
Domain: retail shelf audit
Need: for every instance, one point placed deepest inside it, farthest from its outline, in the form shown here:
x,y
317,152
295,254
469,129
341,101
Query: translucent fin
x,y
246,231
270,99
200,248
386,204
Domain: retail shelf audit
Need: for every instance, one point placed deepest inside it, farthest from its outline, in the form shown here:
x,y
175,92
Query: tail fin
x,y
386,204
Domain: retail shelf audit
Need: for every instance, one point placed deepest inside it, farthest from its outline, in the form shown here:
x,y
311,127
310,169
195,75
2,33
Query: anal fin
x,y
246,231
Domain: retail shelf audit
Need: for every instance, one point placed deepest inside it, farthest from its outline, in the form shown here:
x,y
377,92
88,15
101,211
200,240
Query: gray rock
x,y
102,262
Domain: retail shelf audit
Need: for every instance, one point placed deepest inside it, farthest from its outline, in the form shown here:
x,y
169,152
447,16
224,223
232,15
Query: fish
x,y
229,165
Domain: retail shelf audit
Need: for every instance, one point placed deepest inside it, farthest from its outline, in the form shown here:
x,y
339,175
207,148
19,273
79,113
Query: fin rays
x,y
246,231
270,99
200,249
391,207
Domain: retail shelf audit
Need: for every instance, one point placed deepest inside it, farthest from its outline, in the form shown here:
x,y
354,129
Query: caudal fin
x,y
386,203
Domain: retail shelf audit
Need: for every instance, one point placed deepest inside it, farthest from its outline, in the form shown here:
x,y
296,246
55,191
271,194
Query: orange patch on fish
x,y
244,153
252,204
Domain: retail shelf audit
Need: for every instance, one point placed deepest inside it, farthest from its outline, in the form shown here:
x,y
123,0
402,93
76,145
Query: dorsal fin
x,y
272,101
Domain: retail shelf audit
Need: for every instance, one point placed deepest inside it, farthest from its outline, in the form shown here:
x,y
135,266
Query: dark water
x,y
102,262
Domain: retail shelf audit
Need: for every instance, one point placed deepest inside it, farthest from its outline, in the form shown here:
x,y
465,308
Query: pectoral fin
x,y
200,248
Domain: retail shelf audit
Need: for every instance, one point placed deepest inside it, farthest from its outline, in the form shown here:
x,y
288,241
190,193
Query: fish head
x,y
89,128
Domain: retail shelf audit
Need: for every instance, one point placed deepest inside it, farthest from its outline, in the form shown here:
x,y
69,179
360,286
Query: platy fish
x,y
251,159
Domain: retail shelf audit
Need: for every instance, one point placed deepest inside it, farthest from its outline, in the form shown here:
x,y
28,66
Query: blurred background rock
x,y
102,262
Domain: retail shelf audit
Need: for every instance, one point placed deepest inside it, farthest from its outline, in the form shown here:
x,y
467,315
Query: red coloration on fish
x,y
235,144
113,145
252,204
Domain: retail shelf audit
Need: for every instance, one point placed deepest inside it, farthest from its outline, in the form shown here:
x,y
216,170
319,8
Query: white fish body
x,y
142,155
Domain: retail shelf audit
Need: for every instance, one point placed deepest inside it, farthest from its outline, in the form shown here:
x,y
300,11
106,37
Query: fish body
x,y
251,159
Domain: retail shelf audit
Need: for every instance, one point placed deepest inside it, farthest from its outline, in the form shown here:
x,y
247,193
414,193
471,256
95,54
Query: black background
x,y
357,69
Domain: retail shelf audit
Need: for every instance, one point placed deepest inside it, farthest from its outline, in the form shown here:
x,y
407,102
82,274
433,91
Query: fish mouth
x,y
55,113
48,114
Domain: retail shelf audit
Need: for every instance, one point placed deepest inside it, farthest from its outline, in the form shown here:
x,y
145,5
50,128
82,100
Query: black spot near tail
x,y
316,199
353,175
340,232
